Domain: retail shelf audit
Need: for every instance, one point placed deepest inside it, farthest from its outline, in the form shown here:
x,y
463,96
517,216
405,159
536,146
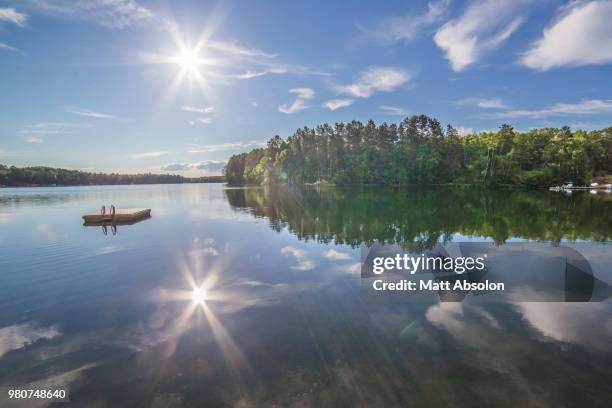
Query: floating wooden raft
x,y
125,215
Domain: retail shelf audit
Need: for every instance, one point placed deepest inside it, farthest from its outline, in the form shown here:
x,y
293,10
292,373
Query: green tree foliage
x,y
48,176
420,151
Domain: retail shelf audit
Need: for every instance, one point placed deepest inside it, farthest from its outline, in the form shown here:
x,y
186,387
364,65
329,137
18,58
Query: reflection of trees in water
x,y
420,218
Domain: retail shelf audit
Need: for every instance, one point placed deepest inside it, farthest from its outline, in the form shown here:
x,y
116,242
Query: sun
x,y
189,61
198,295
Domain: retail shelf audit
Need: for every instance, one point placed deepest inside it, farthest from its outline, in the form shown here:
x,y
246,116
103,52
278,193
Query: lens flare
x,y
199,296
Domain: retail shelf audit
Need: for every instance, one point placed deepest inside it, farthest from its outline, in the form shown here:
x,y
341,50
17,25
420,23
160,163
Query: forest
x,y
49,176
419,151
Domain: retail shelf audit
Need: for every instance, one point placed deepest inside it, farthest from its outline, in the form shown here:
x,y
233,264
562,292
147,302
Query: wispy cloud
x,y
10,15
484,103
208,109
584,107
34,140
393,110
302,95
200,121
406,28
334,104
213,166
207,148
37,133
375,79
89,113
483,27
147,155
581,36
108,13
7,47
237,49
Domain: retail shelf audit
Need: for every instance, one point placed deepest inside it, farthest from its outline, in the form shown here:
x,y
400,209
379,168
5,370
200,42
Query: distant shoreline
x,y
42,176
107,185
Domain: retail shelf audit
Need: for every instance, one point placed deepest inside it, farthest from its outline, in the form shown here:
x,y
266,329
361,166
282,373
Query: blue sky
x,y
131,86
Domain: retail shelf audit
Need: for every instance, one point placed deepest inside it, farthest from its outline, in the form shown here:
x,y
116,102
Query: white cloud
x,y
393,110
463,131
10,15
147,155
237,49
34,140
108,13
484,103
584,107
375,79
207,165
302,95
201,148
89,113
204,121
36,133
483,27
208,109
338,103
583,36
254,104
406,28
303,263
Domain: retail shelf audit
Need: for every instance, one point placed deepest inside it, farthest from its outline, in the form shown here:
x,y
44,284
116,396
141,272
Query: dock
x,y
119,216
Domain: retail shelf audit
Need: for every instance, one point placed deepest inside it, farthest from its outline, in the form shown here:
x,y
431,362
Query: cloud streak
x,y
89,113
108,13
406,28
484,103
207,148
393,110
584,107
207,165
147,155
208,109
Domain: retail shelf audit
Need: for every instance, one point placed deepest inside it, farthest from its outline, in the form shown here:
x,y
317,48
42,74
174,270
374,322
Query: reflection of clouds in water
x,y
336,255
5,218
350,269
54,382
469,324
18,336
585,324
303,263
109,249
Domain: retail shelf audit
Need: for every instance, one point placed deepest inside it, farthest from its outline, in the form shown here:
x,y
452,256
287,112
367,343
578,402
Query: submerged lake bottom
x,y
239,297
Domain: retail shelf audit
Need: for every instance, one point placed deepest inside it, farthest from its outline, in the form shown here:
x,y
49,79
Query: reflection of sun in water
x,y
198,295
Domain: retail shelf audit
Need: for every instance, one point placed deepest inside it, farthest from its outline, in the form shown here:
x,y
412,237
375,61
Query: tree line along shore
x,y
420,151
49,176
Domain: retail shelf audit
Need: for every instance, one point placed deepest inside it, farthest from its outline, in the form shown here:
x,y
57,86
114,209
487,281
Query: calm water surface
x,y
111,317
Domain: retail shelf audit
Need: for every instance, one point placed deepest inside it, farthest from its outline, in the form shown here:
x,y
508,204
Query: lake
x,y
111,316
